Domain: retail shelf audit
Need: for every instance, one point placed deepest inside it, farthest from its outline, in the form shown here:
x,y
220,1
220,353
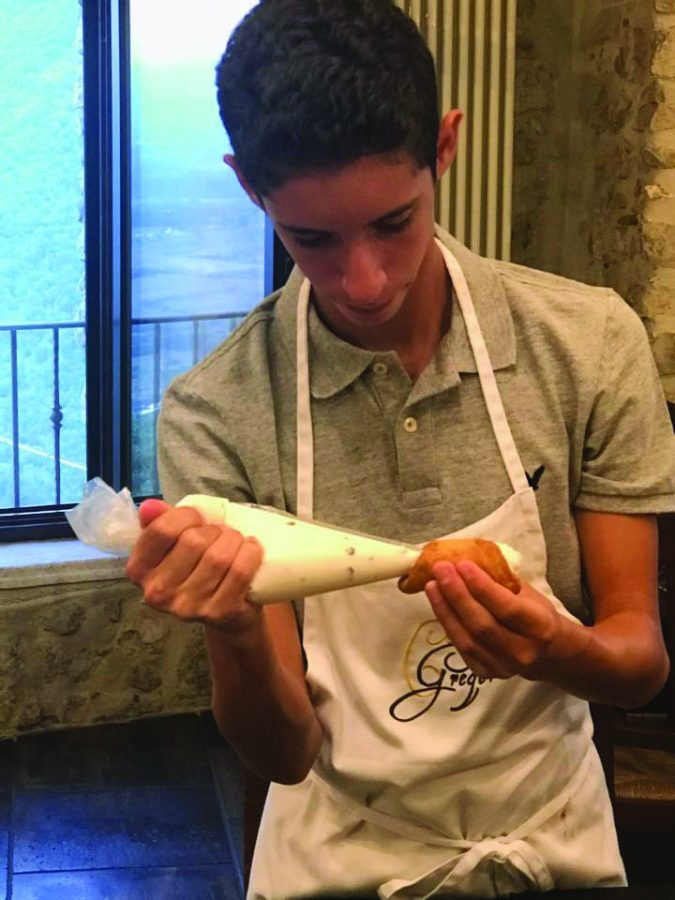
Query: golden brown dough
x,y
485,554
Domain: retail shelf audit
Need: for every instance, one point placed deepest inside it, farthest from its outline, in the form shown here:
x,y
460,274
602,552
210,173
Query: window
x,y
130,250
197,242
42,284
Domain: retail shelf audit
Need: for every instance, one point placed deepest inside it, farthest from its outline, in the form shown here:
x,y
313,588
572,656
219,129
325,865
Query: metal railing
x,y
197,349
56,415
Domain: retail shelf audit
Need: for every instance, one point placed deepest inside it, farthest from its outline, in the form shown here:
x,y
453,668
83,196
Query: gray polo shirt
x,y
413,461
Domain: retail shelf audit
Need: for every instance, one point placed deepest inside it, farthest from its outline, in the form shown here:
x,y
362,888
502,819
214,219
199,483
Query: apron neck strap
x,y
486,375
304,435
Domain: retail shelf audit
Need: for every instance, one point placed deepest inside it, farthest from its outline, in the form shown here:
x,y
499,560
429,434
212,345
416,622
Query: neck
x,y
415,357
419,327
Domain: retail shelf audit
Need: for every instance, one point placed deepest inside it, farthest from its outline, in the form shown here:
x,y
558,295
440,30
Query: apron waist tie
x,y
519,866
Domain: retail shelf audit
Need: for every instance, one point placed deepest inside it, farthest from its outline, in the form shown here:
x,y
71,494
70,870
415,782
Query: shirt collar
x,y
335,364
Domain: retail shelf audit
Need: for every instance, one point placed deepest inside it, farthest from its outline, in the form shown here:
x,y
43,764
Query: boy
x,y
401,386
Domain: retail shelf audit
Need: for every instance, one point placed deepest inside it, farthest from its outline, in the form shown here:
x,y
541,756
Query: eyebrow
x,y
392,214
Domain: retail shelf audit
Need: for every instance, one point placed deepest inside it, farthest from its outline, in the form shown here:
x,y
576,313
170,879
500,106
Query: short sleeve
x,y
629,449
193,456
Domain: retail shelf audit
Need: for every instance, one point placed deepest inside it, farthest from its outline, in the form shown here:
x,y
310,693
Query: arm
x,y
620,659
201,573
260,697
626,655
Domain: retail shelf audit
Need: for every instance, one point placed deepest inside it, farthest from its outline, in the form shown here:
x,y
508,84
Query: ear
x,y
230,161
448,141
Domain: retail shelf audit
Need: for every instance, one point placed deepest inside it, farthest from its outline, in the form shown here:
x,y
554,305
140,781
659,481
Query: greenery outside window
x,y
129,250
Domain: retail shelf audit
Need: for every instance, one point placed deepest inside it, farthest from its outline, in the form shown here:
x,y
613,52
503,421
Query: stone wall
x,y
594,180
79,648
659,210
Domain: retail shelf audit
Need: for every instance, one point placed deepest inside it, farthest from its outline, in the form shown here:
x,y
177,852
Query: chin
x,y
378,316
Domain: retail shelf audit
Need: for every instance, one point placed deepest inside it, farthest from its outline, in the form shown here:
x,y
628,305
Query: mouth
x,y
373,309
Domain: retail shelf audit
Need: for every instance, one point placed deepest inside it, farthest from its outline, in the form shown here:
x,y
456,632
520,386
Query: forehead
x,y
366,189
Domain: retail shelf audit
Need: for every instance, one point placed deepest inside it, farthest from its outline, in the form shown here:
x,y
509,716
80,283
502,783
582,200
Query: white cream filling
x,y
512,557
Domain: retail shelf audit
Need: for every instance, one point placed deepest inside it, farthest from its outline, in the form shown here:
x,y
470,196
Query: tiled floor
x,y
152,811
121,812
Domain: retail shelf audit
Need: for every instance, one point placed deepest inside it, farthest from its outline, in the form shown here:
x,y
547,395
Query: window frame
x,y
107,222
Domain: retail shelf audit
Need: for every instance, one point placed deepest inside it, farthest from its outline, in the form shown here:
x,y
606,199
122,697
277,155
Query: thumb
x,y
150,509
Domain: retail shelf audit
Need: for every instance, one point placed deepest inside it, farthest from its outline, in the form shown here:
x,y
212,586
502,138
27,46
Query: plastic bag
x,y
104,519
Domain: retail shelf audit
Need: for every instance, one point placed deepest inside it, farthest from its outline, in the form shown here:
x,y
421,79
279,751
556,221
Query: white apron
x,y
431,781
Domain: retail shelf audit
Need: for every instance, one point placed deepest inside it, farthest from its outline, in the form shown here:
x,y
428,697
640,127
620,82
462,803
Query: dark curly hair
x,y
306,85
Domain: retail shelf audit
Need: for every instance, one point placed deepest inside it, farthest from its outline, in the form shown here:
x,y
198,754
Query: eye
x,y
394,227
310,242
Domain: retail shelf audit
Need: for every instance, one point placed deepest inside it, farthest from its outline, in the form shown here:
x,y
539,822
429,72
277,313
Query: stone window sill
x,y
35,563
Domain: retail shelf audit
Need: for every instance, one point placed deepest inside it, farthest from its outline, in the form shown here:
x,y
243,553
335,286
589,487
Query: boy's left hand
x,y
498,634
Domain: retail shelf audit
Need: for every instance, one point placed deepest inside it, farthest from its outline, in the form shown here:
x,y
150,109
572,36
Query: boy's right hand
x,y
195,571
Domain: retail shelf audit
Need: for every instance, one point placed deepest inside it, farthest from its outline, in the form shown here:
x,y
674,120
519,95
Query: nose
x,y
363,278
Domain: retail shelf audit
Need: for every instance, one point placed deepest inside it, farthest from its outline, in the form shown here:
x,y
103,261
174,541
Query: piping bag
x,y
301,557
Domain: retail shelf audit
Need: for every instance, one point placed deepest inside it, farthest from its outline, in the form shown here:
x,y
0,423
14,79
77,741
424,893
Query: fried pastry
x,y
486,554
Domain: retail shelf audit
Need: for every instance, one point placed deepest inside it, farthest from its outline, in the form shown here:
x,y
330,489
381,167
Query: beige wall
x,y
594,177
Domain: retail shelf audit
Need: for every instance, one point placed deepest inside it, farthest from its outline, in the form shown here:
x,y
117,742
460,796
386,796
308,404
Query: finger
x,y
474,616
158,538
476,656
479,669
150,509
512,611
171,577
232,591
214,563
495,638
227,607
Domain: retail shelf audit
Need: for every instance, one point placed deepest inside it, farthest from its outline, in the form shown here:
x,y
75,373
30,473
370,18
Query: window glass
x,y
197,240
42,348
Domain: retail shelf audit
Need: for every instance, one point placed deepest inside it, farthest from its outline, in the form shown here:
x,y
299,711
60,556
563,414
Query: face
x,y
361,234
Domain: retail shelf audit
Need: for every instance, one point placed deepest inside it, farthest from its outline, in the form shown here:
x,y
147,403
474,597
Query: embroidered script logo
x,y
434,669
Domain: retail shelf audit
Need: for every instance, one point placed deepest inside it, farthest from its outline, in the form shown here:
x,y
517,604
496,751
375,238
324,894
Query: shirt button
x,y
410,424
380,368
